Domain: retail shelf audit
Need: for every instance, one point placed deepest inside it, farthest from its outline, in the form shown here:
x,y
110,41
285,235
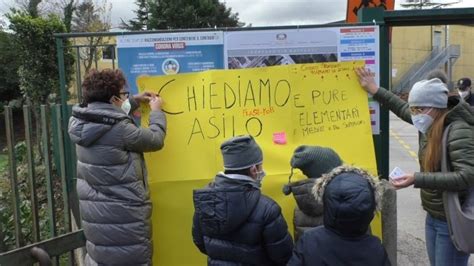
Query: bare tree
x,y
3,24
420,4
91,16
68,8
34,8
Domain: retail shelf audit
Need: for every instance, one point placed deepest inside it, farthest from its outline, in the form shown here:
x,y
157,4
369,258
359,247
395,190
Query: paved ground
x,y
411,217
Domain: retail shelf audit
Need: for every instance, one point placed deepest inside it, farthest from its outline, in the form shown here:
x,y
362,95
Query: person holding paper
x,y
234,223
428,110
313,161
111,175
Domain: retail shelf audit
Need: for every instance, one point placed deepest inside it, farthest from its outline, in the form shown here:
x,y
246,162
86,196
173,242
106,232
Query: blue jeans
x,y
441,250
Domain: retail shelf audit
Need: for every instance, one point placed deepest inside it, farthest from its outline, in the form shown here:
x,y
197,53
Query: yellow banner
x,y
282,107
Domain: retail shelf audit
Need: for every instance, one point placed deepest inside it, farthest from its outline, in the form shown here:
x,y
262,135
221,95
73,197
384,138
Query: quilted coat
x,y
112,182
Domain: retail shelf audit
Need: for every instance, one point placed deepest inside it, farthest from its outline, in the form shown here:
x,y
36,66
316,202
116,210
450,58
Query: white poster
x,y
261,48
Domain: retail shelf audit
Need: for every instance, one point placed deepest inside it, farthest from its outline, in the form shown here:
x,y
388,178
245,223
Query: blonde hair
x,y
432,156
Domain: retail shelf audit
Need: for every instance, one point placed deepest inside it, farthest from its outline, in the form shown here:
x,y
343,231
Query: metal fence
x,y
41,209
39,203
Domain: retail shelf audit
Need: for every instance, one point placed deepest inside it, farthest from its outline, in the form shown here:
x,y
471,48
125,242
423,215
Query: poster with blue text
x,y
272,47
168,54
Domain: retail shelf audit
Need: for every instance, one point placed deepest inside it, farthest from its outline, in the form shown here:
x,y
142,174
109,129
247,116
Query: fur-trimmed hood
x,y
350,196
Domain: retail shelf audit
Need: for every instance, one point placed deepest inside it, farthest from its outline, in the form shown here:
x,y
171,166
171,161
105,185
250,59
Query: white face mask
x,y
464,94
126,106
260,176
422,122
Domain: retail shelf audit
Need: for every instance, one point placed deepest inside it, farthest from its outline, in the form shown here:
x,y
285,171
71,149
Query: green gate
x,y
61,153
42,204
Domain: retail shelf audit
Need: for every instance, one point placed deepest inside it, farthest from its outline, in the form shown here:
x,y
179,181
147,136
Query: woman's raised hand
x,y
366,80
144,97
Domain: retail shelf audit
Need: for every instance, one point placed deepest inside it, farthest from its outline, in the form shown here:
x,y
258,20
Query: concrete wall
x,y
464,36
411,45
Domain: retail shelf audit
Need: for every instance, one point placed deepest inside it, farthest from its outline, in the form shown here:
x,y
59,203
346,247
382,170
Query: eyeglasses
x,y
418,110
124,93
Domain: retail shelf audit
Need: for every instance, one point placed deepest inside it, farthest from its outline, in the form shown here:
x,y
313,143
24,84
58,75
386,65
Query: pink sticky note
x,y
279,138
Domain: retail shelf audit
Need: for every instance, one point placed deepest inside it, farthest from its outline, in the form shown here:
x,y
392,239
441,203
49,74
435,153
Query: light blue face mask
x,y
422,122
260,176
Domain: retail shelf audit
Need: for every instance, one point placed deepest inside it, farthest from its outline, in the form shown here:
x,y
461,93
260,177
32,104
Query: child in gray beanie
x,y
241,152
234,223
313,161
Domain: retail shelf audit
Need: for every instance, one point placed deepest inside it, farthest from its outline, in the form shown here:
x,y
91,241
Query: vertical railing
x,y
96,60
46,145
78,74
62,174
31,171
114,53
51,230
48,172
13,174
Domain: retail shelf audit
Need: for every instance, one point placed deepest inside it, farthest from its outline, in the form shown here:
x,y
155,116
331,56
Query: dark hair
x,y
100,86
438,73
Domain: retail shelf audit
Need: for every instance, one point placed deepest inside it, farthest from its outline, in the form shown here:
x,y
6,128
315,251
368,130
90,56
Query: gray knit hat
x,y
241,152
313,161
429,93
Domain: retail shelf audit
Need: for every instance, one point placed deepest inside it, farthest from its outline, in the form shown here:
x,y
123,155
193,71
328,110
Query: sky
x,y
261,12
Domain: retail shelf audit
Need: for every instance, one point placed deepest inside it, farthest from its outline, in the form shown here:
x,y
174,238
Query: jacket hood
x,y
88,124
350,197
462,111
225,204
